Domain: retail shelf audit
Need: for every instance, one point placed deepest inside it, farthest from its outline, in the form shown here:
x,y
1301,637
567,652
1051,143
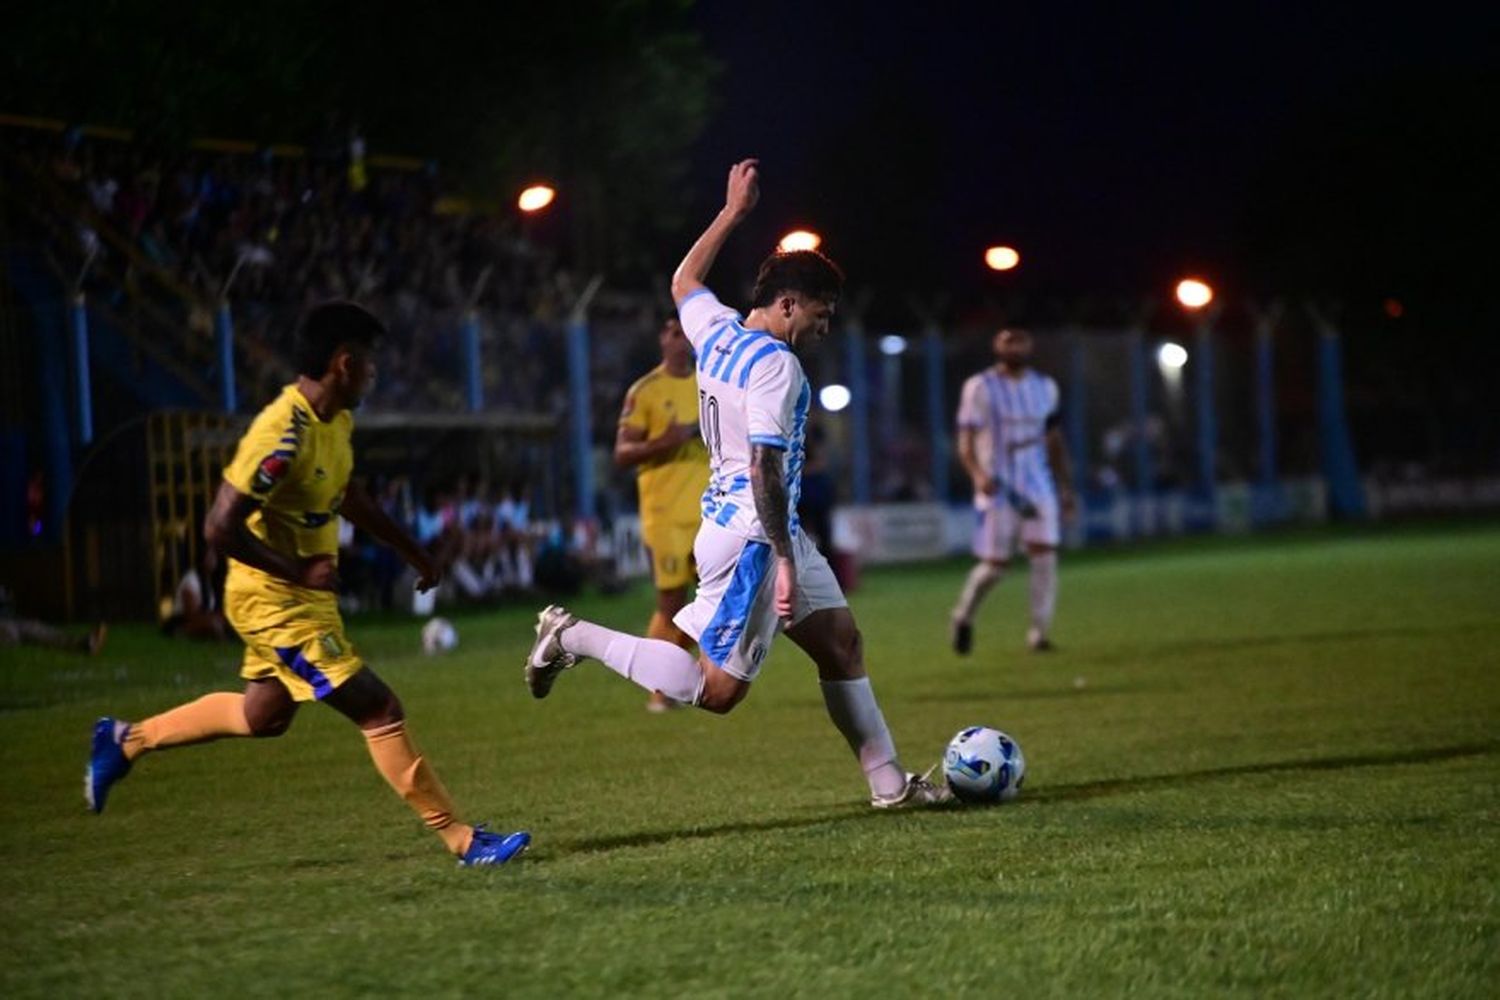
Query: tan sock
x,y
212,717
407,771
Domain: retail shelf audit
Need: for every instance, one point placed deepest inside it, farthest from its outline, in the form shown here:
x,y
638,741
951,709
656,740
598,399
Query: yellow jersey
x,y
671,486
297,466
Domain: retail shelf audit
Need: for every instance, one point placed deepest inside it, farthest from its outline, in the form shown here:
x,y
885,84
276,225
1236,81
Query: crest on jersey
x,y
272,469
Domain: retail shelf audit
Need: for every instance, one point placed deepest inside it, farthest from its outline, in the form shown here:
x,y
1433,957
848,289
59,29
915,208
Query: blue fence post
x,y
82,389
471,360
935,357
1145,476
1076,398
1265,399
859,413
1345,492
1208,424
224,332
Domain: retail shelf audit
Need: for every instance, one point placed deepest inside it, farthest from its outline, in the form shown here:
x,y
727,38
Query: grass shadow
x,y
1125,786
1034,797
1063,689
1222,644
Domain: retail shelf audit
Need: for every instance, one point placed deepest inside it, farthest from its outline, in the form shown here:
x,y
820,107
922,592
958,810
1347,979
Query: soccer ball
x,y
438,636
984,765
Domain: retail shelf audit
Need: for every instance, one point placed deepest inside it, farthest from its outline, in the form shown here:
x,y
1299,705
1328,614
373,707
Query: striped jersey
x,y
1011,416
751,390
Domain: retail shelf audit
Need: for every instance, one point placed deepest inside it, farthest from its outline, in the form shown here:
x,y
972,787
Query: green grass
x,y
1279,776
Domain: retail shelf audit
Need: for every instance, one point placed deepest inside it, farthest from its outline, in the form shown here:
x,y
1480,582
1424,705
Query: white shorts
x,y
1000,523
733,616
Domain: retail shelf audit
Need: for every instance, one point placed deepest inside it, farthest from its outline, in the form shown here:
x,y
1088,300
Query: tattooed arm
x,y
768,487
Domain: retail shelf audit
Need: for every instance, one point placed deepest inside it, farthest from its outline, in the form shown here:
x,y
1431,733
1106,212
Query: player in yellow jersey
x,y
276,518
659,434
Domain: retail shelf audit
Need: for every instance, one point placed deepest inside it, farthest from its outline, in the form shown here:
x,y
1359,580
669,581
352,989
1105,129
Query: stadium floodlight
x,y
892,344
1170,355
799,239
834,397
536,198
1001,258
1194,294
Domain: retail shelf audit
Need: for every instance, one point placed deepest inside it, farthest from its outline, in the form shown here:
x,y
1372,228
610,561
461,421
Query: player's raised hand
x,y
744,188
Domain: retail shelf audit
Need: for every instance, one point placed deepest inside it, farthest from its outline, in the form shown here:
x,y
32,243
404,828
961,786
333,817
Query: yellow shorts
x,y
305,649
671,548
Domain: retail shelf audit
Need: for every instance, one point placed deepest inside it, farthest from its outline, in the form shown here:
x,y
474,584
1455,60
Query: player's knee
x,y
721,692
387,711
268,725
852,649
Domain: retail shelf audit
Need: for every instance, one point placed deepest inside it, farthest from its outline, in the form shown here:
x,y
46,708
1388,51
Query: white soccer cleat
x,y
917,793
547,658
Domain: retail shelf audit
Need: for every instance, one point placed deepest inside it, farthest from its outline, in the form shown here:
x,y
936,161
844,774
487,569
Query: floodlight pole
x,y
1266,320
934,354
581,395
1345,492
859,401
1208,422
1145,520
470,331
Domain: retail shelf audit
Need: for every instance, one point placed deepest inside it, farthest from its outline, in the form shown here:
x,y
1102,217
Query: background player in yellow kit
x,y
659,433
276,517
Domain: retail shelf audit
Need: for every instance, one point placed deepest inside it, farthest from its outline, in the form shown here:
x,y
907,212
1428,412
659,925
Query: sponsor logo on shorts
x,y
331,644
757,652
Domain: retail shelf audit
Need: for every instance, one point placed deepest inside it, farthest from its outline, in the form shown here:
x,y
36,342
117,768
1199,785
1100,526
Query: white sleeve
x,y
972,403
770,399
701,314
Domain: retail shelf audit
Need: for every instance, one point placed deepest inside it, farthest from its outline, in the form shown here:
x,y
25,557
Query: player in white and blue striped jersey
x,y
758,573
1012,447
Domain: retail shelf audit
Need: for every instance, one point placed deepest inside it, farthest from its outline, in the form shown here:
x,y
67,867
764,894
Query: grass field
x,y
1266,767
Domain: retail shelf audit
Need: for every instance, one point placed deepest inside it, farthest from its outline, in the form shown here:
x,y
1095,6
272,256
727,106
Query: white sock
x,y
1043,590
852,707
653,664
981,578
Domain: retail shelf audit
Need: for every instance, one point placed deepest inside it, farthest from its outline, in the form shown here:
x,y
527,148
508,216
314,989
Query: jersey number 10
x,y
708,419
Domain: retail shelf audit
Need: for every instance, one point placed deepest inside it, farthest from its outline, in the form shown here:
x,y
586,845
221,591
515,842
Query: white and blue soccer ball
x,y
438,636
984,765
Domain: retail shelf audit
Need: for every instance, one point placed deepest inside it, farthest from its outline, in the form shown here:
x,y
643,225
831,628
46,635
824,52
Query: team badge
x,y
273,468
331,644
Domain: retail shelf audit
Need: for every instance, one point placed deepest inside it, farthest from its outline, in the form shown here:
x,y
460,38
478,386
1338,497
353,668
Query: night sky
x,y
1115,150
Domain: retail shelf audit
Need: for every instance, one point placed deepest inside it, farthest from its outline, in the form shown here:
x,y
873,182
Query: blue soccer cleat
x,y
488,848
107,761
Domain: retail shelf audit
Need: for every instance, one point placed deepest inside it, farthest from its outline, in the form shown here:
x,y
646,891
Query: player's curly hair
x,y
807,272
328,326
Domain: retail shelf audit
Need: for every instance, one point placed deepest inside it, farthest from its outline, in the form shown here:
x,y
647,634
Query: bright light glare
x,y
1194,294
1170,355
1001,258
892,343
833,397
536,198
799,239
